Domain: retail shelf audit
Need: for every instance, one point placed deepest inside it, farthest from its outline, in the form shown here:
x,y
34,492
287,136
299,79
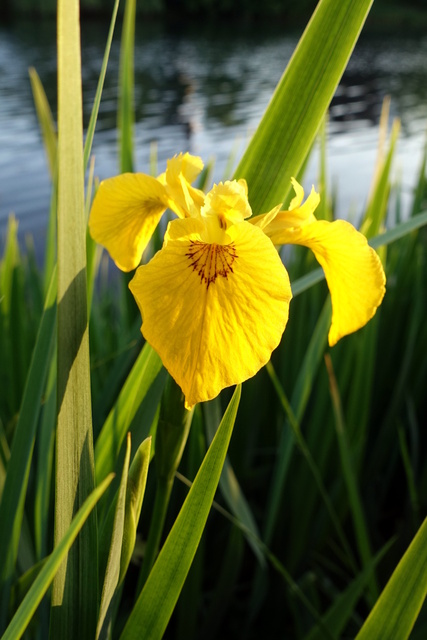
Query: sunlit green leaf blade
x,y
289,126
398,606
97,101
75,588
135,491
45,118
157,600
10,260
51,566
118,534
377,206
126,82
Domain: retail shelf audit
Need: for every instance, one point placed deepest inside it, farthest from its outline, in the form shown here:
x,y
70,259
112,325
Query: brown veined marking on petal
x,y
211,260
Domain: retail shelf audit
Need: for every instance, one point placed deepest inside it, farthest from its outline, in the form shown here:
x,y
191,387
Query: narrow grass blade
x,y
157,600
4,458
118,535
324,209
192,596
172,431
44,465
41,584
230,487
287,441
400,231
95,109
14,332
23,585
299,439
340,612
12,504
50,141
300,396
93,250
113,549
292,119
275,562
126,82
377,206
75,584
397,608
409,472
51,248
8,264
46,123
227,583
354,500
135,491
134,391
420,188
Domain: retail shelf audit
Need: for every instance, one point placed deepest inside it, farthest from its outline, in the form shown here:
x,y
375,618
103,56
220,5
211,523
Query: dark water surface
x,y
204,91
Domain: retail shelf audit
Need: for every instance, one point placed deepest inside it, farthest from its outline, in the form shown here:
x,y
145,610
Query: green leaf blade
x,y
292,119
75,588
160,593
41,584
45,118
398,606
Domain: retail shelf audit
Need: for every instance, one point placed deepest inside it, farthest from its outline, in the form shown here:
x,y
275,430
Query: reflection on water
x,y
203,92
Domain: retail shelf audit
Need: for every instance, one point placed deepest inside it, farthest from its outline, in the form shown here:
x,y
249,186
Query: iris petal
x,y
124,214
228,201
183,199
353,271
213,312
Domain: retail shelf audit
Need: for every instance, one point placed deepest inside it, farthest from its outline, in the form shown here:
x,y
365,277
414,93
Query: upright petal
x,y
297,215
181,171
226,204
353,271
124,214
213,312
263,220
229,202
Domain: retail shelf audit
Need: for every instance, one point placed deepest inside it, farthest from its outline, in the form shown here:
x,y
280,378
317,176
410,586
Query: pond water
x,y
205,91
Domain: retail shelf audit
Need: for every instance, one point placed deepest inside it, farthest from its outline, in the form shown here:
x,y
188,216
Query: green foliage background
x,y
318,520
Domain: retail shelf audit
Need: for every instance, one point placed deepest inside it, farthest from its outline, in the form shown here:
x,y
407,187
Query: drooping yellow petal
x,y
353,271
124,214
213,312
181,171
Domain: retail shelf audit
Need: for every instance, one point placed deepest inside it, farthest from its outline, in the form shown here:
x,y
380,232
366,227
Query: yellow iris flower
x,y
215,299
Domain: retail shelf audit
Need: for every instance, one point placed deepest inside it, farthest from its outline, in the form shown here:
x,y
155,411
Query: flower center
x,y
211,260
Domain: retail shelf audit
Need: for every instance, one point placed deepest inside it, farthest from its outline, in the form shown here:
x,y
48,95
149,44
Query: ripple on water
x,y
203,92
